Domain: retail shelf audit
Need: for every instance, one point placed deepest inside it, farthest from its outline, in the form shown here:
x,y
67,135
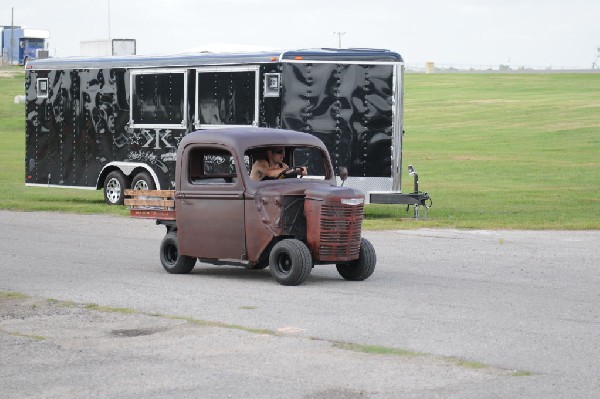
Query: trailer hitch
x,y
420,199
417,198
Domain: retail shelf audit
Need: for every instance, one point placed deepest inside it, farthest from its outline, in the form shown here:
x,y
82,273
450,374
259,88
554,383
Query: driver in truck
x,y
273,167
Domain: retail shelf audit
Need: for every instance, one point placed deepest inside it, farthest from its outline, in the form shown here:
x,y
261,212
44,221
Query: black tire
x,y
143,181
290,262
170,258
114,188
363,267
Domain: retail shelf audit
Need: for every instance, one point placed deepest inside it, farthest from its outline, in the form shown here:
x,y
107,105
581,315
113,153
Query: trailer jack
x,y
417,198
421,199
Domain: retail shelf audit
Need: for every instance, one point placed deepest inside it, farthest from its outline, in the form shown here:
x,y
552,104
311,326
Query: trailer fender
x,y
127,168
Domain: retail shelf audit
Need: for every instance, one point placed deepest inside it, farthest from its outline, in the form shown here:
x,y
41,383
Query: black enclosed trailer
x,y
115,122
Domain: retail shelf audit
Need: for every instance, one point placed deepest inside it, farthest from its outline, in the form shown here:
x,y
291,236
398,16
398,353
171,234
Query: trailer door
x,y
227,96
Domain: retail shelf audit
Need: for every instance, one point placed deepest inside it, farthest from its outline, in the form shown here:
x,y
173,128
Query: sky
x,y
462,33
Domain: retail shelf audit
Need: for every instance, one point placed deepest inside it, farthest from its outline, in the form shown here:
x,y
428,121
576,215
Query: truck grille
x,y
340,232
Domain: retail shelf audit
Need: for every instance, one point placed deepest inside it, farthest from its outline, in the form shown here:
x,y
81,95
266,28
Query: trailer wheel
x,y
143,181
290,262
114,188
171,260
361,268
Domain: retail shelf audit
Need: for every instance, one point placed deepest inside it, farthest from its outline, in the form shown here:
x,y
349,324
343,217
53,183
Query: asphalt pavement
x,y
456,313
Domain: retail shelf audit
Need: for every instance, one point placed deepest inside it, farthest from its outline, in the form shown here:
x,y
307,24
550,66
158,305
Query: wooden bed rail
x,y
151,204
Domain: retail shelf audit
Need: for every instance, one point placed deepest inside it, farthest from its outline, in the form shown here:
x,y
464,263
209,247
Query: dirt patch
x,y
8,74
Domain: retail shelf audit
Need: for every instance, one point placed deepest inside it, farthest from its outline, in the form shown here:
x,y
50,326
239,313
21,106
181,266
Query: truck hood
x,y
319,192
280,188
271,200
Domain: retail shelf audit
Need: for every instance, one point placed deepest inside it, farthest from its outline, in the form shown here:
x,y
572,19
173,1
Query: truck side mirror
x,y
343,174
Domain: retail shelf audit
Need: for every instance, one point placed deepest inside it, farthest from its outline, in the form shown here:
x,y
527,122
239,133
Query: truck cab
x,y
290,223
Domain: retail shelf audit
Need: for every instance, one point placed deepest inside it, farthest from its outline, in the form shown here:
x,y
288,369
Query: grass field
x,y
516,151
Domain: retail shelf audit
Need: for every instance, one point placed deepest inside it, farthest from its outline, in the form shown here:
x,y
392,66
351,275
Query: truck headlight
x,y
353,201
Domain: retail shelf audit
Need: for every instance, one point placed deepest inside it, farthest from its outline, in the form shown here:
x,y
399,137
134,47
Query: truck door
x,y
227,96
209,204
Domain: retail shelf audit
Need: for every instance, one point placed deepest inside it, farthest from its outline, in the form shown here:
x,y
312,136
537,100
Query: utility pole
x,y
12,34
340,34
109,19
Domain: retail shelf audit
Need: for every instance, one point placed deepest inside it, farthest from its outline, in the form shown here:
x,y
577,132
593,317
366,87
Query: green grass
x,y
502,151
513,151
522,373
12,295
19,334
108,309
375,349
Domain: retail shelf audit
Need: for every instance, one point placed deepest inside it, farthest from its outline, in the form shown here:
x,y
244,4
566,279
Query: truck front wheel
x,y
171,259
290,262
361,268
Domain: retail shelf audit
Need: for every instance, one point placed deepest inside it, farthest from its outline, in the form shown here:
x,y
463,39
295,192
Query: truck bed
x,y
151,204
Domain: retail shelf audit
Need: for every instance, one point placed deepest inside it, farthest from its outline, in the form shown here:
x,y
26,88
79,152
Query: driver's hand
x,y
303,170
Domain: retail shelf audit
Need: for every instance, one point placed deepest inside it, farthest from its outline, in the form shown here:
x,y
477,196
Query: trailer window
x,y
211,166
42,88
158,98
227,96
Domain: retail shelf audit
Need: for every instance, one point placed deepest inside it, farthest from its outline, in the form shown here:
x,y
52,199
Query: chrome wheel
x,y
113,190
143,181
141,185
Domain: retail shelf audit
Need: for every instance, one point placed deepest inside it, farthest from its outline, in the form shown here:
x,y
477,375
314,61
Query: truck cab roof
x,y
243,138
247,144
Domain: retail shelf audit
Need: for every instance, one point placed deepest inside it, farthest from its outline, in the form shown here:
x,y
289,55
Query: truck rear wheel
x,y
114,188
361,268
170,258
290,262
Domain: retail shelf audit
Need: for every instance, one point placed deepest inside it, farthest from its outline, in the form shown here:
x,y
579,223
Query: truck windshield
x,y
269,162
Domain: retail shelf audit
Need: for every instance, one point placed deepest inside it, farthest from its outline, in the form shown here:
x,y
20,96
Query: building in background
x,y
20,45
98,48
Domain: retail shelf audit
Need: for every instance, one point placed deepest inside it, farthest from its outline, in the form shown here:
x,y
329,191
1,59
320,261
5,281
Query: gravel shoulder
x,y
56,349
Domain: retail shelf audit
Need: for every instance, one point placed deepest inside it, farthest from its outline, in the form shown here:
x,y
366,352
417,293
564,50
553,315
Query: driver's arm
x,y
297,171
262,169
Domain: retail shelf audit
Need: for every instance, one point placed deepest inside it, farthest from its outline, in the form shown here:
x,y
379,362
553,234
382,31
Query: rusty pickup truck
x,y
220,213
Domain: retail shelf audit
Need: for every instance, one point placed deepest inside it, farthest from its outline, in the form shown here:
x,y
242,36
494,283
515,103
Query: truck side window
x,y
211,166
310,157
